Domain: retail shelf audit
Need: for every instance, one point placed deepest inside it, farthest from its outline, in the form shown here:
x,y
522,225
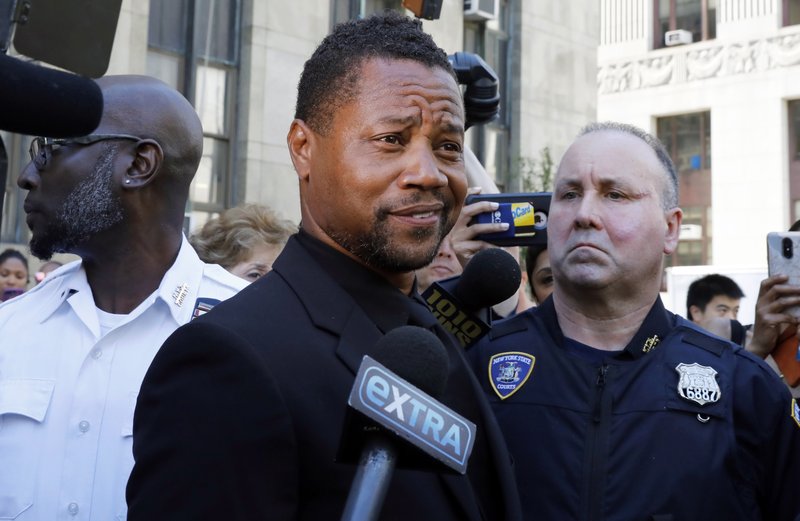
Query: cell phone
x,y
525,213
10,293
783,258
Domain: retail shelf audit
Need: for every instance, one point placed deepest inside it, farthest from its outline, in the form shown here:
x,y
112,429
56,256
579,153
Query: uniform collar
x,y
655,327
178,290
181,283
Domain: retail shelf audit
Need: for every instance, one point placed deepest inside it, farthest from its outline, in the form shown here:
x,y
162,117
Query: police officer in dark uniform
x,y
613,407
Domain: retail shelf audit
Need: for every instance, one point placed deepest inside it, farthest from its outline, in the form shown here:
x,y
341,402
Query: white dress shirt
x,y
68,391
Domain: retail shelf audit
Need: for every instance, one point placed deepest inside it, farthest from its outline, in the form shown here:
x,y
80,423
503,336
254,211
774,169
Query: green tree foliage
x,y
537,175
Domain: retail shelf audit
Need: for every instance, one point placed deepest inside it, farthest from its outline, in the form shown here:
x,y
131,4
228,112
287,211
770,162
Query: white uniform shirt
x,y
67,394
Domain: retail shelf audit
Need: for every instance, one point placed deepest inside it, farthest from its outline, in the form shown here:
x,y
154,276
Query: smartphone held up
x,y
783,258
525,213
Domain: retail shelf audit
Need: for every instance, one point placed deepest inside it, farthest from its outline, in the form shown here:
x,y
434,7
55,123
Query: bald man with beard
x,y
74,350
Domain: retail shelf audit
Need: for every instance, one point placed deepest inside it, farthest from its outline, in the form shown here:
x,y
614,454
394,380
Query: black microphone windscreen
x,y
39,101
490,277
417,356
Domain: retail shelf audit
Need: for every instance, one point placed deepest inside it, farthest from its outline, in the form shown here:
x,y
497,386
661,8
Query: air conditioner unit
x,y
481,10
677,37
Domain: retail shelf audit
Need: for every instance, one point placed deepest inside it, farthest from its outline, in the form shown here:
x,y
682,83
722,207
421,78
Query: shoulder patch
x,y
509,371
203,305
795,411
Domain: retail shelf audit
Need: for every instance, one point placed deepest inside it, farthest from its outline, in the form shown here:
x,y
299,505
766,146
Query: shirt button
x,y
73,509
83,427
97,353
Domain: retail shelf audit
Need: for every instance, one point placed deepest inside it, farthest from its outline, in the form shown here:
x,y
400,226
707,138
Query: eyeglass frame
x,y
45,145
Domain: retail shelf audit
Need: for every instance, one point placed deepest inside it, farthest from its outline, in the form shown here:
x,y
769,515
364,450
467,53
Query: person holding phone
x,y
774,334
13,274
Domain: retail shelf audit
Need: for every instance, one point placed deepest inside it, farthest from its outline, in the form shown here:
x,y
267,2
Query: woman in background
x,y
13,274
244,240
540,276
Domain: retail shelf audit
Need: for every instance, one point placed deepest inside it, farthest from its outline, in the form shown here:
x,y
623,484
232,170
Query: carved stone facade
x,y
746,79
701,61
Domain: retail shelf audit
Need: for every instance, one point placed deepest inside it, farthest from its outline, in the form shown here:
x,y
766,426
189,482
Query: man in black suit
x,y
241,413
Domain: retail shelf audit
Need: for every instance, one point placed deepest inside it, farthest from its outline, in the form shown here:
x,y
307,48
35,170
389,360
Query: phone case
x,y
525,213
783,258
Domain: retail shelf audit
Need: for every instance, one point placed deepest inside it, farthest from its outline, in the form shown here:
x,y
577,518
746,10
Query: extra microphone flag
x,y
393,423
412,415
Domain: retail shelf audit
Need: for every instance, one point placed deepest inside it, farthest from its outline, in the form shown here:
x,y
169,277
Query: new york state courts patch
x,y
509,371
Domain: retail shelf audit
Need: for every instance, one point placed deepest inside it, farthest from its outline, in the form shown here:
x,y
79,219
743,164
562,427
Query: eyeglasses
x,y
42,147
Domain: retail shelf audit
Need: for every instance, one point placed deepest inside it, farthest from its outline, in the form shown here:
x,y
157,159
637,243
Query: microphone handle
x,y
375,468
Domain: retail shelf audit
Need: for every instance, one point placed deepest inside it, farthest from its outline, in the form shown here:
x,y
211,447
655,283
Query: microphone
x,y
407,422
462,304
39,101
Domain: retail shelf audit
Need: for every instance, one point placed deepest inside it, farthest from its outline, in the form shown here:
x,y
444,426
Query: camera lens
x,y
788,249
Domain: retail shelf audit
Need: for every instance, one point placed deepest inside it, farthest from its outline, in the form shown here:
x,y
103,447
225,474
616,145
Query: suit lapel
x,y
333,309
329,306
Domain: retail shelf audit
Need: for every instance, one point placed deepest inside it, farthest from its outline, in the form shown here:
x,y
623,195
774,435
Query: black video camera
x,y
481,97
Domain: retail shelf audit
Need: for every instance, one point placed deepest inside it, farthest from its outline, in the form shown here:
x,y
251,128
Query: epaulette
x,y
507,326
705,341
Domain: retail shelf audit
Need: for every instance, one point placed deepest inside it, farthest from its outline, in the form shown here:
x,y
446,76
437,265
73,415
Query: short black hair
x,y
330,77
702,290
11,253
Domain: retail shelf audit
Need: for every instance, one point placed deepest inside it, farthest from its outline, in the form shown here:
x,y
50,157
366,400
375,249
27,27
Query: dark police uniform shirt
x,y
679,425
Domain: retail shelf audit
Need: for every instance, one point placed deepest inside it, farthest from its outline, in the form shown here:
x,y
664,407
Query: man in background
x,y
74,349
242,412
714,295
713,301
613,407
444,265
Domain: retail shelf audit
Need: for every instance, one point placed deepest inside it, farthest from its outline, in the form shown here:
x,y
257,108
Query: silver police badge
x,y
509,371
698,383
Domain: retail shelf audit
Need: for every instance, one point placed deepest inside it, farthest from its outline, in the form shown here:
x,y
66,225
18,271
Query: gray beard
x,y
90,208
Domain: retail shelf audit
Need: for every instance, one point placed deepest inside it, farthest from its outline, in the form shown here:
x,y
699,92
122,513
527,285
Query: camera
x,y
525,213
481,96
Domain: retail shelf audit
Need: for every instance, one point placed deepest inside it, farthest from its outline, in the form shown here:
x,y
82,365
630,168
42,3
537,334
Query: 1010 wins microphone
x,y
39,101
462,304
398,396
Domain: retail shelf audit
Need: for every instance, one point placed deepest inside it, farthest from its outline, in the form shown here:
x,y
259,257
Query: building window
x,y
13,158
699,17
791,12
343,10
794,159
491,141
193,45
688,140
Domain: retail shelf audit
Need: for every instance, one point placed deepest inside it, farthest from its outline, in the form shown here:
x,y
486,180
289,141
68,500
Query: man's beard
x,y
90,208
375,247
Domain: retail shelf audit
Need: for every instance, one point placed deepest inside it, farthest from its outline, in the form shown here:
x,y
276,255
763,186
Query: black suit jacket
x,y
241,413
